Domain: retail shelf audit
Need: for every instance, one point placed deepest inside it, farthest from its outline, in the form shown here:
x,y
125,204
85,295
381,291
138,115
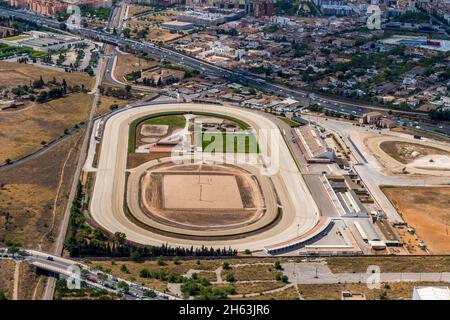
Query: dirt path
x,y
7,111
248,295
175,288
36,288
298,292
218,272
16,281
58,190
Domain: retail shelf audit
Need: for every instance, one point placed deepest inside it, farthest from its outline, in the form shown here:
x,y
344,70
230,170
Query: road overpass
x,y
64,268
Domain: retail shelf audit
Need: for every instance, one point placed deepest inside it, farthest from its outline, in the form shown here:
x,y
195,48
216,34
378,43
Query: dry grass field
x,y
136,9
22,132
13,74
127,63
428,211
7,268
33,196
390,264
257,287
161,35
287,294
391,291
105,103
252,272
152,265
29,283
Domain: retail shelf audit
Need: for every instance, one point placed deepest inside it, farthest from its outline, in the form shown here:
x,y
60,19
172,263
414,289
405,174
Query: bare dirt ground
x,y
399,155
33,196
127,63
201,196
158,34
405,152
427,209
136,159
147,132
201,192
24,132
27,280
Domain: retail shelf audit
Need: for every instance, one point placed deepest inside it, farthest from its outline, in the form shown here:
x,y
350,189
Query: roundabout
x,y
201,199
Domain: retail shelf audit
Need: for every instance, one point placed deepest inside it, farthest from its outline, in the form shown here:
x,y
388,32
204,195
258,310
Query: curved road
x,y
300,213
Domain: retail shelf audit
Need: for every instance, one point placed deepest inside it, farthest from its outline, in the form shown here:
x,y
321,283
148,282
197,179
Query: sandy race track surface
x,y
299,211
201,192
201,197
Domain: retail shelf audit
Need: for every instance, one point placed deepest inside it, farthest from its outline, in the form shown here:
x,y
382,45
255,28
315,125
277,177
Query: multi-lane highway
x,y
335,104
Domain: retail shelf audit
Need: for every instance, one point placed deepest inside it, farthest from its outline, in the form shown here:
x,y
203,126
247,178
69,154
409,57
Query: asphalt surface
x,y
370,170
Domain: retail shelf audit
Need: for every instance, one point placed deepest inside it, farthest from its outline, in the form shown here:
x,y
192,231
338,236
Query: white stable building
x,y
431,293
314,146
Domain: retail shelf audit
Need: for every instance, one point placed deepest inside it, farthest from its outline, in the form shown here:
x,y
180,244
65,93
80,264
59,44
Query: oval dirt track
x,y
300,213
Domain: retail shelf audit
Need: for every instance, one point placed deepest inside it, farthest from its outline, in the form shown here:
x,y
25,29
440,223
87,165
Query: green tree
x,y
277,265
281,277
150,293
226,265
124,269
135,256
230,277
102,277
123,286
120,237
176,260
145,273
160,261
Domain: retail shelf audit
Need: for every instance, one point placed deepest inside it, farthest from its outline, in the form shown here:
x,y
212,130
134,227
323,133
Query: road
x,y
59,244
334,103
305,273
300,213
319,273
91,276
370,171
